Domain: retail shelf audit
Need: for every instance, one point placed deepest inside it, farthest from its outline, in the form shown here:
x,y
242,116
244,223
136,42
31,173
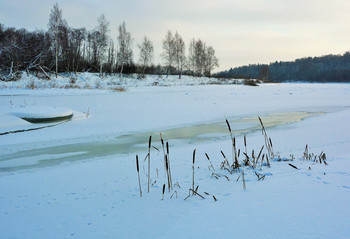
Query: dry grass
x,y
118,89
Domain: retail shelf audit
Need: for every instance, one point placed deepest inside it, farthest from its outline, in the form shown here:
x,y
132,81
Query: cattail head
x,y
228,125
245,141
137,163
167,147
223,155
166,163
149,141
194,156
161,139
207,156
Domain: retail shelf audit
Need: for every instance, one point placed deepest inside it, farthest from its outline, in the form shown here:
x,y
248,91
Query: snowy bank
x,y
111,82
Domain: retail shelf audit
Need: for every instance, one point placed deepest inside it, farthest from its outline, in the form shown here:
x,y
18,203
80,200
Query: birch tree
x,y
168,54
180,57
124,47
56,24
191,59
210,61
146,54
102,30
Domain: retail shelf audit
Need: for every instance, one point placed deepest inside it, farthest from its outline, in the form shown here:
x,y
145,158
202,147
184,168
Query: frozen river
x,y
133,143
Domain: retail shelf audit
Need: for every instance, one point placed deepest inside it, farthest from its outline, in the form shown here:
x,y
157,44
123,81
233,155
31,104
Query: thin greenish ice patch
x,y
133,143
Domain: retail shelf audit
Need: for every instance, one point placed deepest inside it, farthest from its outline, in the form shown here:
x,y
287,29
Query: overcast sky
x,y
241,31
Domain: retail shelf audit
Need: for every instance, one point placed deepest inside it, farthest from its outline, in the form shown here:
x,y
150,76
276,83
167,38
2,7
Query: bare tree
x,y
168,53
56,24
124,47
180,57
102,40
191,59
146,54
199,56
210,61
111,56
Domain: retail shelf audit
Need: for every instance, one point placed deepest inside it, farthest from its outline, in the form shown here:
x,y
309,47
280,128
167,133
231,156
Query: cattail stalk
x,y
233,143
225,159
163,191
245,144
149,162
169,169
162,141
211,165
138,173
194,159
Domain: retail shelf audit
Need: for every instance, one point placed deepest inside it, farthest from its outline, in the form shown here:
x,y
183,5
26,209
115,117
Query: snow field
x,y
99,197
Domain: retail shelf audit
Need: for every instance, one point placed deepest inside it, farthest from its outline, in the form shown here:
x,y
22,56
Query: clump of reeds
x,y
235,163
321,158
268,141
306,153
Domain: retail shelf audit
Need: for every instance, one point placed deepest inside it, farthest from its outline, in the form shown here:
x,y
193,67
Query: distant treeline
x,y
330,68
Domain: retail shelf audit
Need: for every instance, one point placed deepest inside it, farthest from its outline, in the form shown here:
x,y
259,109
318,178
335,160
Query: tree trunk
x,y
121,71
11,69
167,72
143,71
56,58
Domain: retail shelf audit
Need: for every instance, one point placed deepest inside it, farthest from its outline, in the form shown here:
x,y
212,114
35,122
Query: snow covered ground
x,y
97,196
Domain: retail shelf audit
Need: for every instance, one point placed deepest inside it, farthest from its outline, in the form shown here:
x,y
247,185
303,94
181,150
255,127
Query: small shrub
x,y
249,82
31,85
72,80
